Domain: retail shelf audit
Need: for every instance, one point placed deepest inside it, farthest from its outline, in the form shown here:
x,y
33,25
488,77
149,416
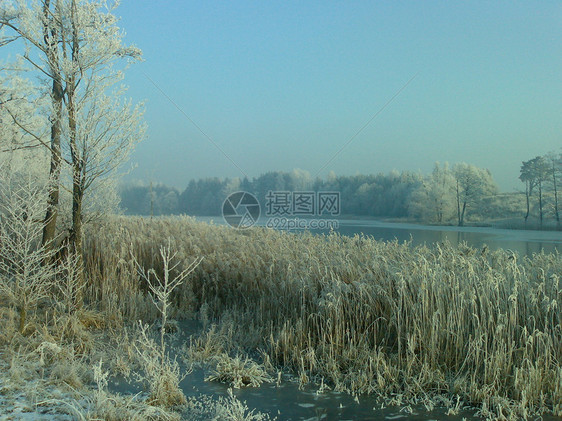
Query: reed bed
x,y
425,325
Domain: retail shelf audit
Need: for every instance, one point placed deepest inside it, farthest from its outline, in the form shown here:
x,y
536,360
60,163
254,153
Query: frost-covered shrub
x,y
26,269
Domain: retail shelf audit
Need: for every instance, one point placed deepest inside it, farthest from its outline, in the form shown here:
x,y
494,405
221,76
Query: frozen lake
x,y
525,242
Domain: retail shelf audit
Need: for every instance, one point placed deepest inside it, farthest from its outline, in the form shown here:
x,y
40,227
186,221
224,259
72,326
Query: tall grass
x,y
411,324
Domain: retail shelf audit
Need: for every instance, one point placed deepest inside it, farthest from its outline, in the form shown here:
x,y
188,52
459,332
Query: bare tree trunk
x,y
50,39
77,186
76,234
458,205
528,204
23,315
77,159
77,195
556,213
77,192
462,214
151,201
50,222
540,203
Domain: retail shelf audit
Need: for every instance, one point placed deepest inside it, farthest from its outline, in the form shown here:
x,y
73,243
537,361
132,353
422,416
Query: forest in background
x,y
448,195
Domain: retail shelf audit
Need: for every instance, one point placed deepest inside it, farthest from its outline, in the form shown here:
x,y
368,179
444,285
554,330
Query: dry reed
x,y
432,325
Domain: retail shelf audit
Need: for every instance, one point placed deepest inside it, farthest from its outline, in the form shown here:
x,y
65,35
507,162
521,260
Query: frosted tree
x,y
21,105
300,180
554,162
539,174
527,176
25,279
34,24
433,200
76,43
102,131
22,111
472,184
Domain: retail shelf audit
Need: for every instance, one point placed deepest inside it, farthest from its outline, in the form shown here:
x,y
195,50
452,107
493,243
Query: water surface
x,y
524,242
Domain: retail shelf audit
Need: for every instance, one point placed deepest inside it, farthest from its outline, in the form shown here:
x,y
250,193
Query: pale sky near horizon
x,y
279,85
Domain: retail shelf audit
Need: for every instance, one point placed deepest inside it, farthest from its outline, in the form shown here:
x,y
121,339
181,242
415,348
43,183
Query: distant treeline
x,y
368,195
449,195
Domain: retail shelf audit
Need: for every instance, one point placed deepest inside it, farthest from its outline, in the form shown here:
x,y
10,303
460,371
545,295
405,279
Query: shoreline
x,y
513,224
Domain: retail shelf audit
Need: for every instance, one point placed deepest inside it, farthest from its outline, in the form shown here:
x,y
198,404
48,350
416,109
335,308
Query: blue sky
x,y
283,85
